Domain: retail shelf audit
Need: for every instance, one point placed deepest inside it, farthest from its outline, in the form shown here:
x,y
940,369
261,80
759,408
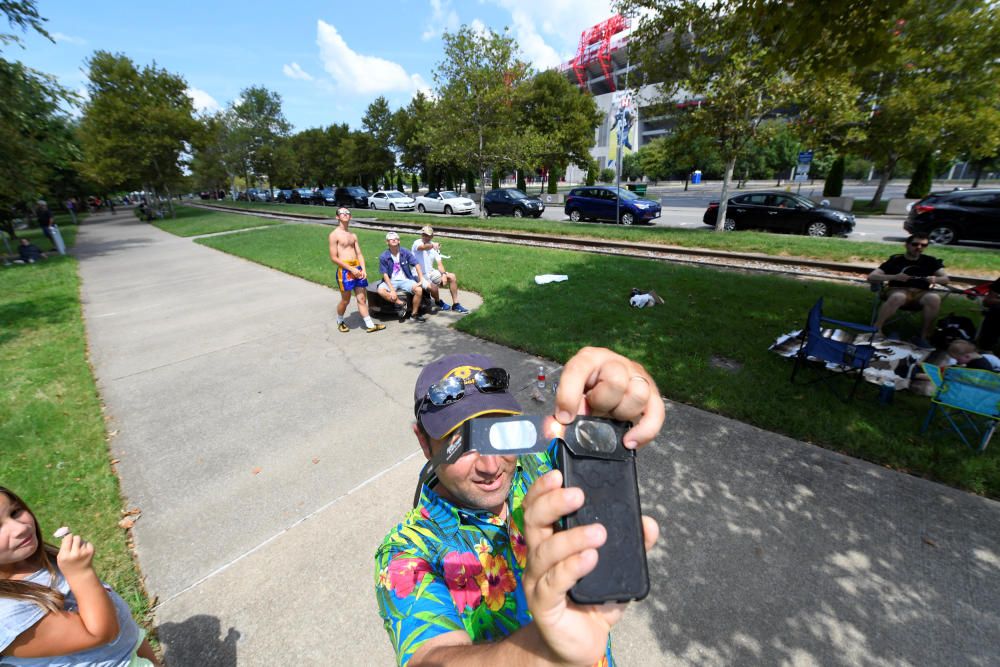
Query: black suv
x,y
353,196
946,217
781,212
512,202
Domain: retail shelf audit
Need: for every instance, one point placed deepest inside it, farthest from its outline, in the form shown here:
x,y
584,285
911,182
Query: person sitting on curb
x,y
910,276
965,354
395,264
428,253
477,572
28,252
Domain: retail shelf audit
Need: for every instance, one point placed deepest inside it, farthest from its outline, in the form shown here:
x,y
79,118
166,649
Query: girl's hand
x,y
75,556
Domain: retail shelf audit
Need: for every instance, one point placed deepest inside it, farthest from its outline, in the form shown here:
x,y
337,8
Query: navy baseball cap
x,y
441,420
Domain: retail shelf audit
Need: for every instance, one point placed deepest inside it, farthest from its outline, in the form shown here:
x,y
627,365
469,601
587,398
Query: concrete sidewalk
x,y
270,454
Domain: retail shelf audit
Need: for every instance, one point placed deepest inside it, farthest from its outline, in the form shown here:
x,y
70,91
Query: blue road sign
x,y
806,156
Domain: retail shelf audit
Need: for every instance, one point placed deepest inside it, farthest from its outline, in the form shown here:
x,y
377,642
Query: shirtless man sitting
x,y
345,253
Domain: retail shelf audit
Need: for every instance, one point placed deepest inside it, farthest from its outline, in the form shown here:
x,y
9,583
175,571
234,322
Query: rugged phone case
x,y
611,488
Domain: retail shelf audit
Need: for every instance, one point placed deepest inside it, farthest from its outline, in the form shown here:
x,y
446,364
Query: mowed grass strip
x,y
192,221
709,317
959,260
53,450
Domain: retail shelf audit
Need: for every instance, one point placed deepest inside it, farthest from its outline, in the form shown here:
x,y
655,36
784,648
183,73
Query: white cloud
x,y
534,48
68,39
294,71
202,100
361,74
443,19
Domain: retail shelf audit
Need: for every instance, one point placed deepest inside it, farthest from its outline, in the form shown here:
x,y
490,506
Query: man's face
x,y
426,238
343,215
473,481
393,245
916,246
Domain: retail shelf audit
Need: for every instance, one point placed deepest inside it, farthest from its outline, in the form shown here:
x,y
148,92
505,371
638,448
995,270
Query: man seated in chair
x,y
910,276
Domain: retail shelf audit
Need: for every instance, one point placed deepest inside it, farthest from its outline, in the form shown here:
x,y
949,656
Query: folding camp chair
x,y
838,356
969,399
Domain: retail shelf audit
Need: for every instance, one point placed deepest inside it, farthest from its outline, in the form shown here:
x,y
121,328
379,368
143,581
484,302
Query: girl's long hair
x,y
46,597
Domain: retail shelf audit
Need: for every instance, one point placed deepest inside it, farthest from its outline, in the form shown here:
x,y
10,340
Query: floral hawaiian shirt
x,y
447,568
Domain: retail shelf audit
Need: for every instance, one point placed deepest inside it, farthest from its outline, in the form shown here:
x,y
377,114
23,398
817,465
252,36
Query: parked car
x,y
445,201
353,196
391,200
781,212
285,196
510,201
308,196
947,217
604,202
327,197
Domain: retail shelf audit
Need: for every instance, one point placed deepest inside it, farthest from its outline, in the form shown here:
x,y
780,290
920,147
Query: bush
x,y
923,177
834,185
607,175
414,183
553,182
496,179
590,180
521,184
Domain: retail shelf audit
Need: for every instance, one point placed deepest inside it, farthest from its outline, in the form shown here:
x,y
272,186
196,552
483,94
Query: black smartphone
x,y
593,457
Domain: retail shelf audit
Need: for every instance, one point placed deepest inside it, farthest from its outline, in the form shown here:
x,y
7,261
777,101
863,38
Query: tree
x,y
378,121
475,123
255,125
24,15
681,152
564,115
922,179
717,57
409,122
136,126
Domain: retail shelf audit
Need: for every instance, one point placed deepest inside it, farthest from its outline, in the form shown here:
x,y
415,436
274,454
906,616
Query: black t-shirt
x,y
920,268
44,217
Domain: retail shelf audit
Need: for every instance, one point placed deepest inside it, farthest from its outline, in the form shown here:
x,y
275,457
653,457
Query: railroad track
x,y
752,262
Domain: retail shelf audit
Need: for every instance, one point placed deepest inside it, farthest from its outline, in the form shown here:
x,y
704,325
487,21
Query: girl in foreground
x,y
59,609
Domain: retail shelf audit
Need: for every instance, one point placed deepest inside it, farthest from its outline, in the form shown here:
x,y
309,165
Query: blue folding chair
x,y
839,357
969,399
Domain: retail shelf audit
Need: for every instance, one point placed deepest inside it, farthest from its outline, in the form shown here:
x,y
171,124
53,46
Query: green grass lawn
x,y
972,261
197,221
707,314
54,453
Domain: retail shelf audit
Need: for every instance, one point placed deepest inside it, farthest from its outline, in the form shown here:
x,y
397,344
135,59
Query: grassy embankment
x,y
960,261
54,450
712,319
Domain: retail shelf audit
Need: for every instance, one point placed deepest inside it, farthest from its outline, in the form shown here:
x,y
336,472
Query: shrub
x,y
923,176
607,175
834,185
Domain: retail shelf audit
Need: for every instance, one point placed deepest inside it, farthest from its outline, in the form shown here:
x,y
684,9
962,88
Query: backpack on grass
x,y
951,328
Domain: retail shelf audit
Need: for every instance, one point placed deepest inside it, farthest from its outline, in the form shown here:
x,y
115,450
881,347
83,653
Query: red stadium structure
x,y
595,45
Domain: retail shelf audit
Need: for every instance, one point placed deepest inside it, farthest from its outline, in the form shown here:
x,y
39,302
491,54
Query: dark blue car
x,y
605,202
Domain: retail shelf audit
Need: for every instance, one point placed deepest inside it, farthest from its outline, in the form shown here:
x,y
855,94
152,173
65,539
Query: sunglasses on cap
x,y
452,389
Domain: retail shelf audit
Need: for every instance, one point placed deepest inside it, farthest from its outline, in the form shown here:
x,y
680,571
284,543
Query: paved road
x,y
270,453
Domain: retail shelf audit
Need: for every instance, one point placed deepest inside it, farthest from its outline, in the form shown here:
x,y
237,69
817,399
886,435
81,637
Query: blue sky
x,y
327,60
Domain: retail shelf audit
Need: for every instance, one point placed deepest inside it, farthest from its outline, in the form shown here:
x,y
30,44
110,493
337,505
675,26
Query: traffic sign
x,y
806,156
801,178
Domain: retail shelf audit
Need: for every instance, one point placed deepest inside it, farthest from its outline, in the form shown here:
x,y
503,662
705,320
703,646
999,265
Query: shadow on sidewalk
x,y
197,642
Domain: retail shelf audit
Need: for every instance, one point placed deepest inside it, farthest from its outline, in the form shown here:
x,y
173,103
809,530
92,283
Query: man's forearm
x,y
523,648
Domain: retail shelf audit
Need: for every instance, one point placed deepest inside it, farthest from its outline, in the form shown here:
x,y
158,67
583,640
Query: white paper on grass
x,y
549,278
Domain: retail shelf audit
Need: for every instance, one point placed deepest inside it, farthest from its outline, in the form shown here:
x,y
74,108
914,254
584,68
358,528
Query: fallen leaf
x,y
113,433
135,511
929,541
256,471
315,460
115,462
126,523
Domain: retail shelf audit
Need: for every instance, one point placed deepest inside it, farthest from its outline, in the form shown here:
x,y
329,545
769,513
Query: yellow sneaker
x,y
377,327
342,327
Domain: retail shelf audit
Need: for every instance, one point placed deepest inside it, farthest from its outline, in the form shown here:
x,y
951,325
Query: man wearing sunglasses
x,y
911,275
397,266
477,571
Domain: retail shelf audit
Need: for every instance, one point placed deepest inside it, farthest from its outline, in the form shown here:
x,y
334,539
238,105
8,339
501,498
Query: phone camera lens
x,y
596,436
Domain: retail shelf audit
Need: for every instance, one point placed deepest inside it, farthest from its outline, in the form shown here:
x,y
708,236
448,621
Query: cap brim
x,y
440,421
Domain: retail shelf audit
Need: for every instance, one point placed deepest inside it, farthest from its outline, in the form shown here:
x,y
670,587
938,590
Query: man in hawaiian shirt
x,y
476,571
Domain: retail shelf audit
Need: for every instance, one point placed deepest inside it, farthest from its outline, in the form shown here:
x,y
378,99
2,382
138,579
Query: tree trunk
x,y
686,178
720,221
170,203
978,172
883,181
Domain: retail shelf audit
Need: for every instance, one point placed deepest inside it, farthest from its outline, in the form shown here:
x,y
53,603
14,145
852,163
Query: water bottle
x,y
886,392
540,381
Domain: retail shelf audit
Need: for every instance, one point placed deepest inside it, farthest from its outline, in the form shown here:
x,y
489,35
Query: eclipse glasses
x,y
590,437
